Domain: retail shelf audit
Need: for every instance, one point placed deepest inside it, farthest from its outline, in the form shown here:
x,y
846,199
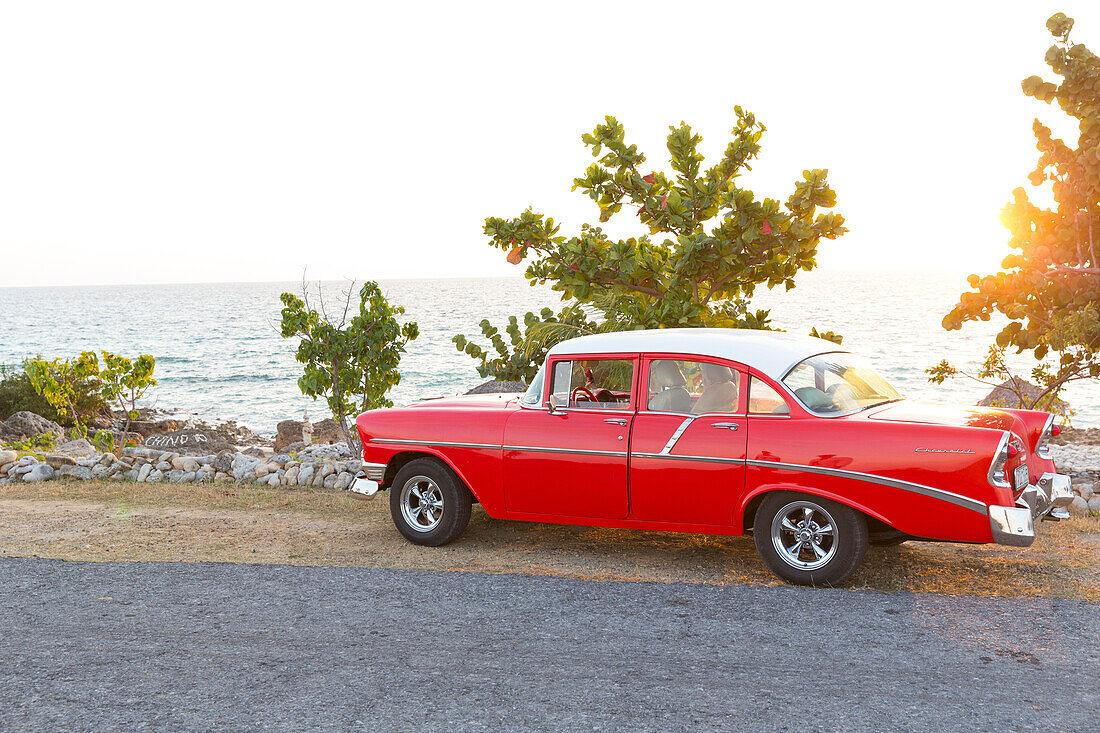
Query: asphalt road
x,y
211,646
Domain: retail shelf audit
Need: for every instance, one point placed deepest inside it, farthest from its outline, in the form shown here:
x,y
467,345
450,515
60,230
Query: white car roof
x,y
772,352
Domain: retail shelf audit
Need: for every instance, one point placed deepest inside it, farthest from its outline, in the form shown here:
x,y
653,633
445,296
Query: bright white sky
x,y
151,142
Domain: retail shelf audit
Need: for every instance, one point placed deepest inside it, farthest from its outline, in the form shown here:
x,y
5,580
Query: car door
x,y
568,457
687,449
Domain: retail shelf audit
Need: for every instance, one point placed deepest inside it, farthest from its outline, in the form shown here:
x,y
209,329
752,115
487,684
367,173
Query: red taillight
x,y
1012,451
1055,429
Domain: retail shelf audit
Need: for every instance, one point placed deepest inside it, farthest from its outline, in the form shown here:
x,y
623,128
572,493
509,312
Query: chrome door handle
x,y
725,425
616,421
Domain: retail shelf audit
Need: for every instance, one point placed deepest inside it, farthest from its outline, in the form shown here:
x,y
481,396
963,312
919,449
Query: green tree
x,y
350,361
707,243
65,384
123,384
1049,286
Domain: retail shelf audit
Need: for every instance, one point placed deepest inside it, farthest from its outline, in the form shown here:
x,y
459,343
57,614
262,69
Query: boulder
x,y
57,461
79,472
1017,393
495,387
75,448
22,425
305,476
243,467
39,472
8,456
290,431
188,442
333,450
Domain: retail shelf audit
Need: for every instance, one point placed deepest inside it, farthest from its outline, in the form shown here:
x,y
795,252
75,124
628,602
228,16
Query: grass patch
x,y
121,521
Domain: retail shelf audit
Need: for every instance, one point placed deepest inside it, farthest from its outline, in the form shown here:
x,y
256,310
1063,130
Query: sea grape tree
x,y
705,242
1049,285
351,356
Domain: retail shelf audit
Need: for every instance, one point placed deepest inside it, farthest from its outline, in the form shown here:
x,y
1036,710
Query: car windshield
x,y
834,383
533,395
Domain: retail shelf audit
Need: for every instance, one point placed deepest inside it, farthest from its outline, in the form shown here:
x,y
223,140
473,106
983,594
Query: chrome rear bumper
x,y
1049,497
1012,525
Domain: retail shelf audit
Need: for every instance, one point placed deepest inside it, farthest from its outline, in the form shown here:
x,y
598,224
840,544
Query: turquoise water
x,y
219,353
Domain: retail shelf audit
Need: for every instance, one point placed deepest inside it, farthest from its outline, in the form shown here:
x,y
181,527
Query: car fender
x,y
740,522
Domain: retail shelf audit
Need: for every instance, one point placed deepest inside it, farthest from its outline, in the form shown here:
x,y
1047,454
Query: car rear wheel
x,y
807,540
428,503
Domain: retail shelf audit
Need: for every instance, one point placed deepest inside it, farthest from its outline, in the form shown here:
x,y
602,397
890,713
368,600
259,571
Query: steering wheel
x,y
588,395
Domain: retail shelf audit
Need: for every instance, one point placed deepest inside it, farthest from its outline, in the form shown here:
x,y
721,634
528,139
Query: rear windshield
x,y
835,383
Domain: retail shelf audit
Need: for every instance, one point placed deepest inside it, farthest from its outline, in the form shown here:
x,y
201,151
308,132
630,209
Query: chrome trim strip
x,y
701,459
440,443
1000,458
572,451
1042,447
949,496
676,435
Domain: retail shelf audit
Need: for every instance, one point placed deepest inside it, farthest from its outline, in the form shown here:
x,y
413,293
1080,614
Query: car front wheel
x,y
428,503
807,540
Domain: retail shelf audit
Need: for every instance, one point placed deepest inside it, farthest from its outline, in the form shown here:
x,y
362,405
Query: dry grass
x,y
128,522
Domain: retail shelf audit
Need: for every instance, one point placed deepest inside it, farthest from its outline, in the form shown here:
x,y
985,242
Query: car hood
x,y
473,400
921,412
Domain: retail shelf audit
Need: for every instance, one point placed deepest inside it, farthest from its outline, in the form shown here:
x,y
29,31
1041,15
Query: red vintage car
x,y
718,431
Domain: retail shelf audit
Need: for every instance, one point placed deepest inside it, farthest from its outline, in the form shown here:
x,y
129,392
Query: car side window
x,y
764,400
593,384
692,387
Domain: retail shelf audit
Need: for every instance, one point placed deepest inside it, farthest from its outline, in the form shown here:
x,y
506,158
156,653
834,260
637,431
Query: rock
x,y
138,451
290,431
291,475
327,469
78,447
243,467
99,471
189,442
188,477
107,459
1008,394
330,481
175,476
79,472
224,461
57,461
155,476
177,463
305,475
279,459
131,475
257,452
188,464
22,425
143,473
39,472
1078,506
343,480
1094,504
318,481
8,456
5,467
334,450
222,478
495,387
164,466
146,428
273,480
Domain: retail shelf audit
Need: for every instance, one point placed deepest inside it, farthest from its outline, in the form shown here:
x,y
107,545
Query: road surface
x,y
94,646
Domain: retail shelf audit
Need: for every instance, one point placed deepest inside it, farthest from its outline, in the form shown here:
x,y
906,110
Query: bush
x,y
17,393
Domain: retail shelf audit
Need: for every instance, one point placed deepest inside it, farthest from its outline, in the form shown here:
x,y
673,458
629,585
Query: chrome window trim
x,y
437,443
998,462
600,410
949,496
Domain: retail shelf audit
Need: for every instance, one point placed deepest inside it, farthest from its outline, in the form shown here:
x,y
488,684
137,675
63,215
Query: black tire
x,y
444,511
843,549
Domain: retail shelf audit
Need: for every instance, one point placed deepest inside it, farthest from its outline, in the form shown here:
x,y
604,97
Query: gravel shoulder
x,y
197,646
114,521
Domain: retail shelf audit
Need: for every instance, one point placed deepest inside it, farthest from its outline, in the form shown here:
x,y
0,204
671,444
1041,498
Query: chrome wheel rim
x,y
804,535
421,503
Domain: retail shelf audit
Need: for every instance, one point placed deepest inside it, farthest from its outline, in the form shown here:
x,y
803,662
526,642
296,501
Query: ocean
x,y
220,356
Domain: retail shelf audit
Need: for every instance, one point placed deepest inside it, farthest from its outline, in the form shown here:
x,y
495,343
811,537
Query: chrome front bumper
x,y
368,481
1016,525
